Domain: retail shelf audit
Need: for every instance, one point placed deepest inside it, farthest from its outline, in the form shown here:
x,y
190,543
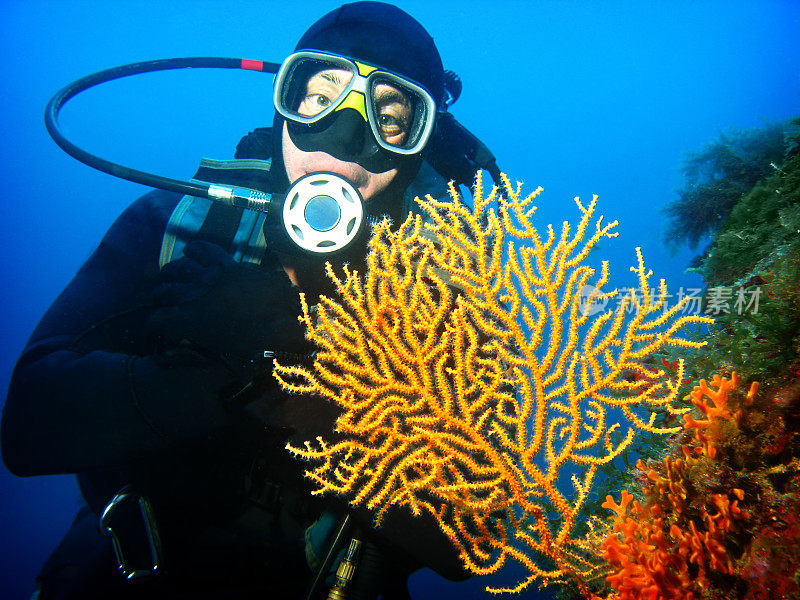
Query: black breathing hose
x,y
242,197
456,152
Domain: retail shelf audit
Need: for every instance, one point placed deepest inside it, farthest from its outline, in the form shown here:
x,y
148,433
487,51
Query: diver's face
x,y
322,89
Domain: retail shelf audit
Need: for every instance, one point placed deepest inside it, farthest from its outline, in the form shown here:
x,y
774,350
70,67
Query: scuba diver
x,y
149,376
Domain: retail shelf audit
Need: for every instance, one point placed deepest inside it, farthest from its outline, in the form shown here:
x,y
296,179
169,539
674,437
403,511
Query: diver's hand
x,y
225,309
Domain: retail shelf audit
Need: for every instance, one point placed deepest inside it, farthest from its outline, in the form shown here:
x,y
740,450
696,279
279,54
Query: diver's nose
x,y
348,135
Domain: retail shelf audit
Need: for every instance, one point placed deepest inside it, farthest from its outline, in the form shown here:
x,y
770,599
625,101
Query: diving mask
x,y
310,86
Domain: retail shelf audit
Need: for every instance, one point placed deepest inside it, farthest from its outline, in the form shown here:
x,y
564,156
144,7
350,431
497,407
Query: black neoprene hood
x,y
383,35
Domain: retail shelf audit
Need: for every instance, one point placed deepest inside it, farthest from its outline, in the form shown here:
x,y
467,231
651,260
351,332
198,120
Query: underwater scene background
x,y
582,98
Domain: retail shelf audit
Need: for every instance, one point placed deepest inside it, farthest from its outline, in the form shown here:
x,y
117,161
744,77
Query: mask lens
x,y
402,114
309,87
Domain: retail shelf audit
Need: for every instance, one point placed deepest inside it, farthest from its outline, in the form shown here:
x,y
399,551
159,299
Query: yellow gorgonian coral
x,y
478,383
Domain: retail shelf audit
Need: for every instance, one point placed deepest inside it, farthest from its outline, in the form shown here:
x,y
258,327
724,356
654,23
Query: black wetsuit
x,y
126,381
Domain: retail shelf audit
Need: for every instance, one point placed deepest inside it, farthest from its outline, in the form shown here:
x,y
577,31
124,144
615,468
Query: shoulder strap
x,y
239,231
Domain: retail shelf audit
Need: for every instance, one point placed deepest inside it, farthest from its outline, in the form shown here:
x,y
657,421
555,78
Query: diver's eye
x,y
313,104
394,110
392,128
390,123
322,90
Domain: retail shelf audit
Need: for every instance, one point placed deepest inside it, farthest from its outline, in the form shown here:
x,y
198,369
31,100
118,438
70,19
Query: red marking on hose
x,y
252,65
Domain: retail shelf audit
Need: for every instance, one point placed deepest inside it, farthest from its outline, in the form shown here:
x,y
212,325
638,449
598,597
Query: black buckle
x,y
130,522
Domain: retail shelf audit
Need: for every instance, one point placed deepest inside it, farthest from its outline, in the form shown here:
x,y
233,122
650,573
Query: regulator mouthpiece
x,y
323,213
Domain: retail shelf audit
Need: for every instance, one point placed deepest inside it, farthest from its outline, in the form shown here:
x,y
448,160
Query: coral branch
x,y
478,382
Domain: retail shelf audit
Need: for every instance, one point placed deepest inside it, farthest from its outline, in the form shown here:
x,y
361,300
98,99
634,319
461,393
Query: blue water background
x,y
580,97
